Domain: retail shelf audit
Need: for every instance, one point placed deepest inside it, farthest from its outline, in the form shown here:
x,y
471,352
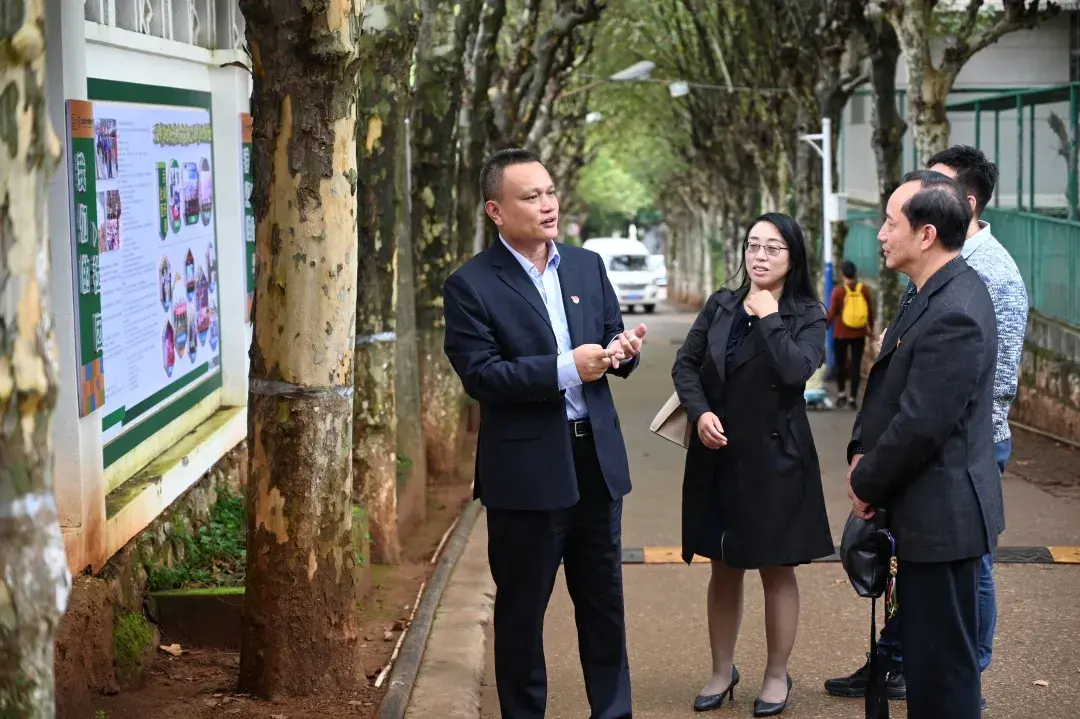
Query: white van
x,y
628,267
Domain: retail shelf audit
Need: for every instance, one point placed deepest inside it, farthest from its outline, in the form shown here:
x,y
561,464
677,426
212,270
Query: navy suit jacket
x,y
501,344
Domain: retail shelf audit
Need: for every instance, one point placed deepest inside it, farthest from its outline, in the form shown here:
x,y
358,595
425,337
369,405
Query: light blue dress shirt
x,y
547,284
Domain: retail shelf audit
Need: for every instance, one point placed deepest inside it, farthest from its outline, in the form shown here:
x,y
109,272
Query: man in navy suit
x,y
533,329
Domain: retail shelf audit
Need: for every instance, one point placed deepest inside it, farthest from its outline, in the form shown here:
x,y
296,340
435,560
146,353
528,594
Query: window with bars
x,y
213,24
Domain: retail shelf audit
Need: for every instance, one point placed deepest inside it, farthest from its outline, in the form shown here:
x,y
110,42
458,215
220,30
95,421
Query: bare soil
x,y
1049,465
202,684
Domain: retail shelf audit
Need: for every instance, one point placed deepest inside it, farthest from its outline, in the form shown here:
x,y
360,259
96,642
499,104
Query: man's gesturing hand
x,y
626,345
592,362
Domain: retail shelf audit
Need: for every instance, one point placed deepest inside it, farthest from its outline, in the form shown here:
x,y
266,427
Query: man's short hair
x,y
976,175
491,175
940,202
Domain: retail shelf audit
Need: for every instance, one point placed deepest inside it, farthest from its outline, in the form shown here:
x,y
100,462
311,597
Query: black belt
x,y
580,428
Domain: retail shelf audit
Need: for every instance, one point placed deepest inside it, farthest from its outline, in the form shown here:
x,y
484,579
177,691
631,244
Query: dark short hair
x,y
940,202
491,175
847,269
976,175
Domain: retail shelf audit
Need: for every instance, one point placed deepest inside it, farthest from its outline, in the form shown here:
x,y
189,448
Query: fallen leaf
x,y
388,636
1041,683
839,581
278,716
173,649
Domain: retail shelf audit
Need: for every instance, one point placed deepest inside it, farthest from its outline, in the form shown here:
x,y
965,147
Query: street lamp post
x,y
830,211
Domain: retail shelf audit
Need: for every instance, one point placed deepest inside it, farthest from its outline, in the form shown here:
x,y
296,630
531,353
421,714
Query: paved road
x,y
1039,617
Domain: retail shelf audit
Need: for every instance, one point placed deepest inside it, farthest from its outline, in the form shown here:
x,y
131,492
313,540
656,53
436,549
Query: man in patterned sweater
x,y
977,176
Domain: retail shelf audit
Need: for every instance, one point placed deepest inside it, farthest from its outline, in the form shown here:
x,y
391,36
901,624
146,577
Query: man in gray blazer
x,y
922,448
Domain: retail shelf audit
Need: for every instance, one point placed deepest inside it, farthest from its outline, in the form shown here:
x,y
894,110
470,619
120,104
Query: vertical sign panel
x,y
249,211
92,149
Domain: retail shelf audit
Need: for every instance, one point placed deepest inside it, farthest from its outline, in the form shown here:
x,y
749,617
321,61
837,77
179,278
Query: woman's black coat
x,y
767,479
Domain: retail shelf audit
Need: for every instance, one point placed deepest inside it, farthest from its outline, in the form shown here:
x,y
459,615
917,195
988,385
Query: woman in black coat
x,y
752,496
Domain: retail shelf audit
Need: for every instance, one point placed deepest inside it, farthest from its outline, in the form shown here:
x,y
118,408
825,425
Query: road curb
x,y
1003,555
451,676
405,671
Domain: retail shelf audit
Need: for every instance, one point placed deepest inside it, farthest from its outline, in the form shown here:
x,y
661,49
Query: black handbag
x,y
868,555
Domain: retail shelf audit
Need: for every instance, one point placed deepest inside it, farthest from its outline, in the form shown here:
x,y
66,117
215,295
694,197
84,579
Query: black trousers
x,y
524,551
846,370
940,636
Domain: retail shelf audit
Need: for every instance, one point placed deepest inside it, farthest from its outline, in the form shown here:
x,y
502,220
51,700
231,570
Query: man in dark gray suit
x,y
922,448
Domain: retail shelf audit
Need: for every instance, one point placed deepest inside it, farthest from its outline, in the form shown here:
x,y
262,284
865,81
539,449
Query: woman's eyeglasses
x,y
771,250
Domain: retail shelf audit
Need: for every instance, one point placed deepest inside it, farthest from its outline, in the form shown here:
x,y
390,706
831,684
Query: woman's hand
x,y
761,304
711,431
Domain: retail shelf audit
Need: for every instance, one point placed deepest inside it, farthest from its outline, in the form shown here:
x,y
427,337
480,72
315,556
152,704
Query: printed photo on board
x,y
206,190
106,148
174,195
191,193
168,348
112,220
165,280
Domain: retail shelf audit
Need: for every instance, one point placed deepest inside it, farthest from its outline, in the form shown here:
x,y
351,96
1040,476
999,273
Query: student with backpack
x,y
851,317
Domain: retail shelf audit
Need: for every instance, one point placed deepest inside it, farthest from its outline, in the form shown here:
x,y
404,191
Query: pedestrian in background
x,y
752,496
851,317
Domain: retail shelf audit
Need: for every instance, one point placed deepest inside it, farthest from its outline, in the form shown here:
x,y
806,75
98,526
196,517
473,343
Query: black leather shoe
x,y
768,709
855,685
707,702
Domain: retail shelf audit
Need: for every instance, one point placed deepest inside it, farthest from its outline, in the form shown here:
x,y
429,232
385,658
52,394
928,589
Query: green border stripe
x,y
111,420
136,410
113,91
158,421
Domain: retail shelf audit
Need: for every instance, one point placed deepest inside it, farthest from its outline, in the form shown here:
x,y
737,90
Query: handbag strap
x,y
877,702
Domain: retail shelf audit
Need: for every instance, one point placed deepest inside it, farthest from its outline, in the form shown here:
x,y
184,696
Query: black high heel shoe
x,y
705,702
768,709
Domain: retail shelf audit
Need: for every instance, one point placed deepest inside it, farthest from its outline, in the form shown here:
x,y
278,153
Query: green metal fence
x,y
1047,251
862,246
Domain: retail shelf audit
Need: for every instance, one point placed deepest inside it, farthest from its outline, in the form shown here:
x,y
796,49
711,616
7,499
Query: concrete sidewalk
x,y
1038,634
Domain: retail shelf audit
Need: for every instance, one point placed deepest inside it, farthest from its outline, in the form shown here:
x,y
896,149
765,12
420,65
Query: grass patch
x,y
214,554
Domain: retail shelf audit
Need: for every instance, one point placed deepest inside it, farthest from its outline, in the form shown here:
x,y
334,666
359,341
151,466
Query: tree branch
x,y
1017,15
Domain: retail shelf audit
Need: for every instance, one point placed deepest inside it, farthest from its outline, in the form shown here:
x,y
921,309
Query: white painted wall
x,y
1025,59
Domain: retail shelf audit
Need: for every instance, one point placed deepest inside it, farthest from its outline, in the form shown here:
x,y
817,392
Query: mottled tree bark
x,y
389,34
300,633
475,123
34,579
437,99
887,139
411,448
